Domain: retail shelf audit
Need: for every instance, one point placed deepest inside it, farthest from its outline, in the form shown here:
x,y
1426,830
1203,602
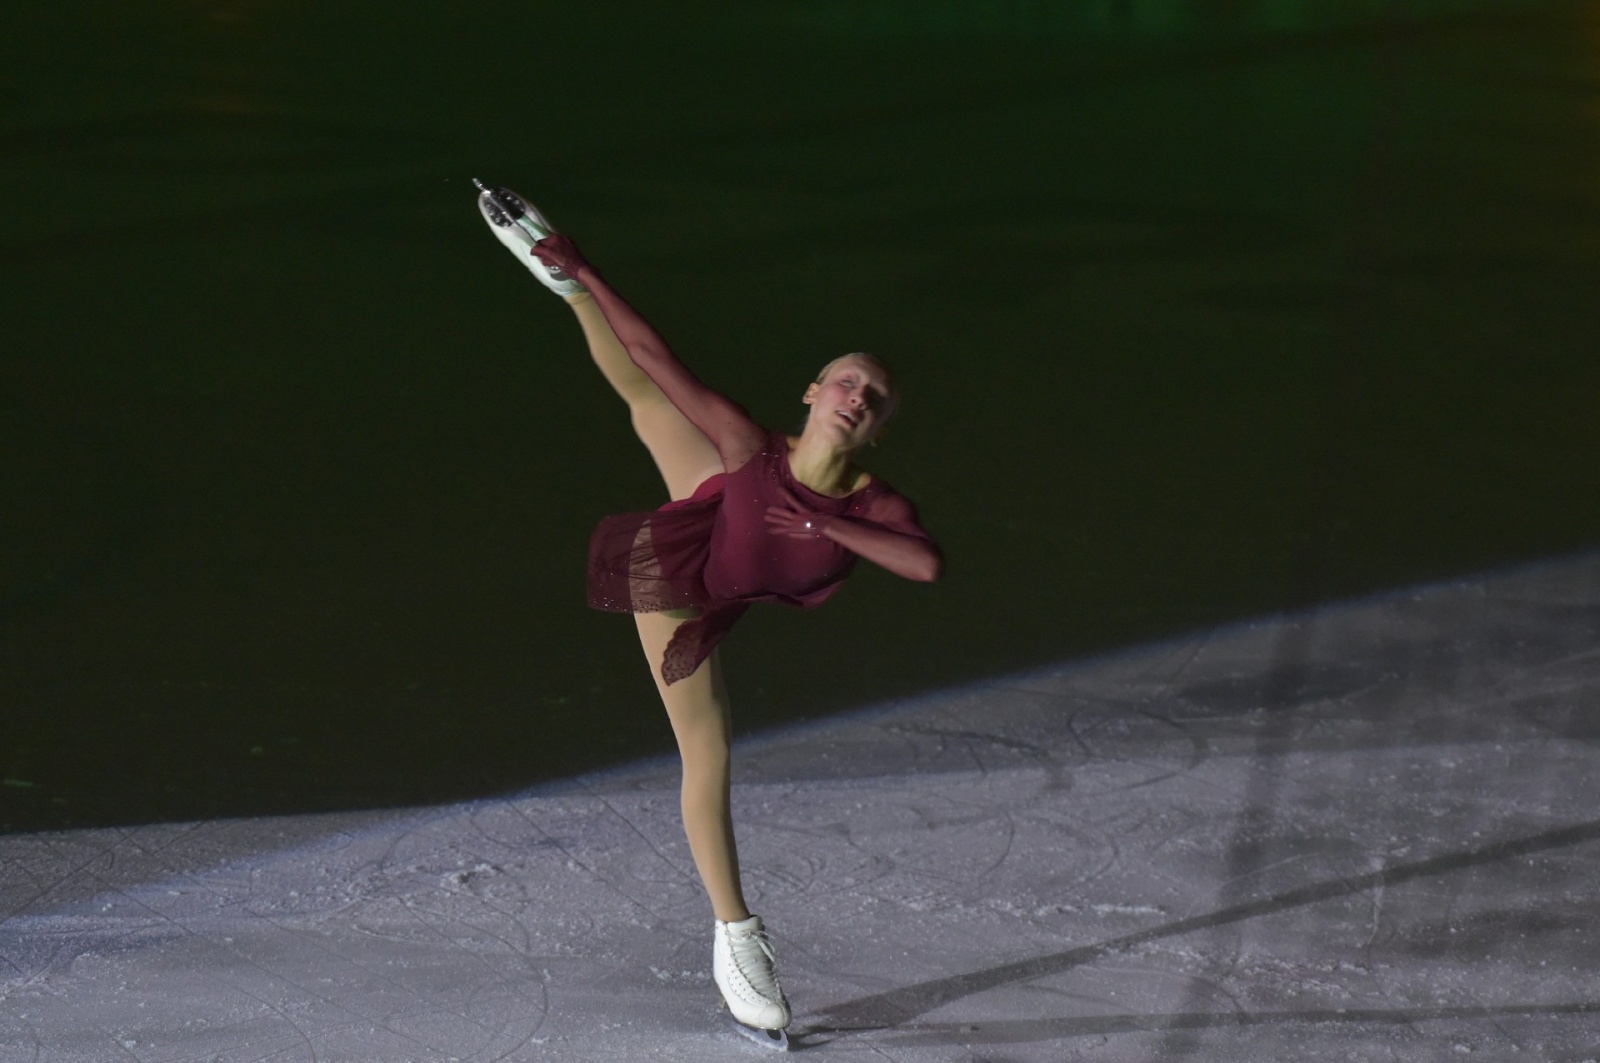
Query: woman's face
x,y
851,402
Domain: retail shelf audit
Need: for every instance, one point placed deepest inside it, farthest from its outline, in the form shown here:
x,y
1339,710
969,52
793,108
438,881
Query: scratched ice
x,y
1363,832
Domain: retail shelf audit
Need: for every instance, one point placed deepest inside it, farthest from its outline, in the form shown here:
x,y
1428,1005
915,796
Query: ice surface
x,y
1366,832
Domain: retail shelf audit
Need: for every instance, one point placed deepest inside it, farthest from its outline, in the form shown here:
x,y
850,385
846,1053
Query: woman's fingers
x,y
784,521
559,251
548,256
794,522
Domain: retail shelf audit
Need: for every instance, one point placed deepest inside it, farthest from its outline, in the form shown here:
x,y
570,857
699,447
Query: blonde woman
x,y
755,516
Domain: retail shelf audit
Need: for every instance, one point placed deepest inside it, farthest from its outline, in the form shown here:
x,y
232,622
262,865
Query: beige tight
x,y
698,705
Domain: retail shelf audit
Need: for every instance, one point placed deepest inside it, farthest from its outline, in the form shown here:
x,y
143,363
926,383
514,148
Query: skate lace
x,y
753,955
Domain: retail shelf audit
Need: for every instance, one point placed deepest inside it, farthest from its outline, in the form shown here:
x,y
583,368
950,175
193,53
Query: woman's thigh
x,y
697,705
682,453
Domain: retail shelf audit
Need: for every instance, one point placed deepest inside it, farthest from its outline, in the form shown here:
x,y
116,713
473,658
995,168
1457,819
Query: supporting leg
x,y
698,705
701,722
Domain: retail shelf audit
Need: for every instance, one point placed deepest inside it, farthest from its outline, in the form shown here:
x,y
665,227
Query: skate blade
x,y
777,1040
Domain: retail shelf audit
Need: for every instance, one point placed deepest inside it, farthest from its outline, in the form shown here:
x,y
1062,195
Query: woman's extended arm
x,y
903,553
729,428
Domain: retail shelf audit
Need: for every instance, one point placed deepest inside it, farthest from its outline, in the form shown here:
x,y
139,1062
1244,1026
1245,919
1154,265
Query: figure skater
x,y
754,515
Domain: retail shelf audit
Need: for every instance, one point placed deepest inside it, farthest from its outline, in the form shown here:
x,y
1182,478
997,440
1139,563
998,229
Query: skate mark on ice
x,y
301,991
1005,852
288,1020
34,1042
472,956
1097,727
668,862
1025,1031
897,1006
833,875
1040,754
588,869
56,876
291,927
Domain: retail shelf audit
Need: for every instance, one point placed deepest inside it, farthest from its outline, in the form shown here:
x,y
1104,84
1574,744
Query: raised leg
x,y
698,705
681,451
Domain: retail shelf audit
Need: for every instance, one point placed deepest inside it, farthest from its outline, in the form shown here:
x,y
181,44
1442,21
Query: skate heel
x,y
776,1040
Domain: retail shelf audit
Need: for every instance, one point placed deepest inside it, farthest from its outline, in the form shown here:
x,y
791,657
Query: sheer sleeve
x,y
895,512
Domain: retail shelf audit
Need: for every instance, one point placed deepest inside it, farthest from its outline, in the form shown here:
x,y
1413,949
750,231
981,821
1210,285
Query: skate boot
x,y
742,964
518,224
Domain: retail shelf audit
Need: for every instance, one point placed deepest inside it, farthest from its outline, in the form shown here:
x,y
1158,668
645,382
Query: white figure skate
x,y
518,224
742,965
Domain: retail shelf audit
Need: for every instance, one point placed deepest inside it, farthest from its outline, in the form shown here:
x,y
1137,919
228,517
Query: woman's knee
x,y
705,751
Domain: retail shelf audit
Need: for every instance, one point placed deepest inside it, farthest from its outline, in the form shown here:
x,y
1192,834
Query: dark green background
x,y
1203,310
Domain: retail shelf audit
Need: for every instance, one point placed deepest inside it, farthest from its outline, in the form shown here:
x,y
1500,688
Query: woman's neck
x,y
823,468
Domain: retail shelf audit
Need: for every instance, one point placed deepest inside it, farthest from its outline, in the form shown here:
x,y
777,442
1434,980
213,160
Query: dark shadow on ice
x,y
1025,1031
898,1006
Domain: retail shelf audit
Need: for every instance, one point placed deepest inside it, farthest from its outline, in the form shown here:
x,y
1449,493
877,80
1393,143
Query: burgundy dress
x,y
714,551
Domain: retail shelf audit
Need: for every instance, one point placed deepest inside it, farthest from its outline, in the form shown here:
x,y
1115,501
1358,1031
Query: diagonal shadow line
x,y
901,1005
1022,1031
